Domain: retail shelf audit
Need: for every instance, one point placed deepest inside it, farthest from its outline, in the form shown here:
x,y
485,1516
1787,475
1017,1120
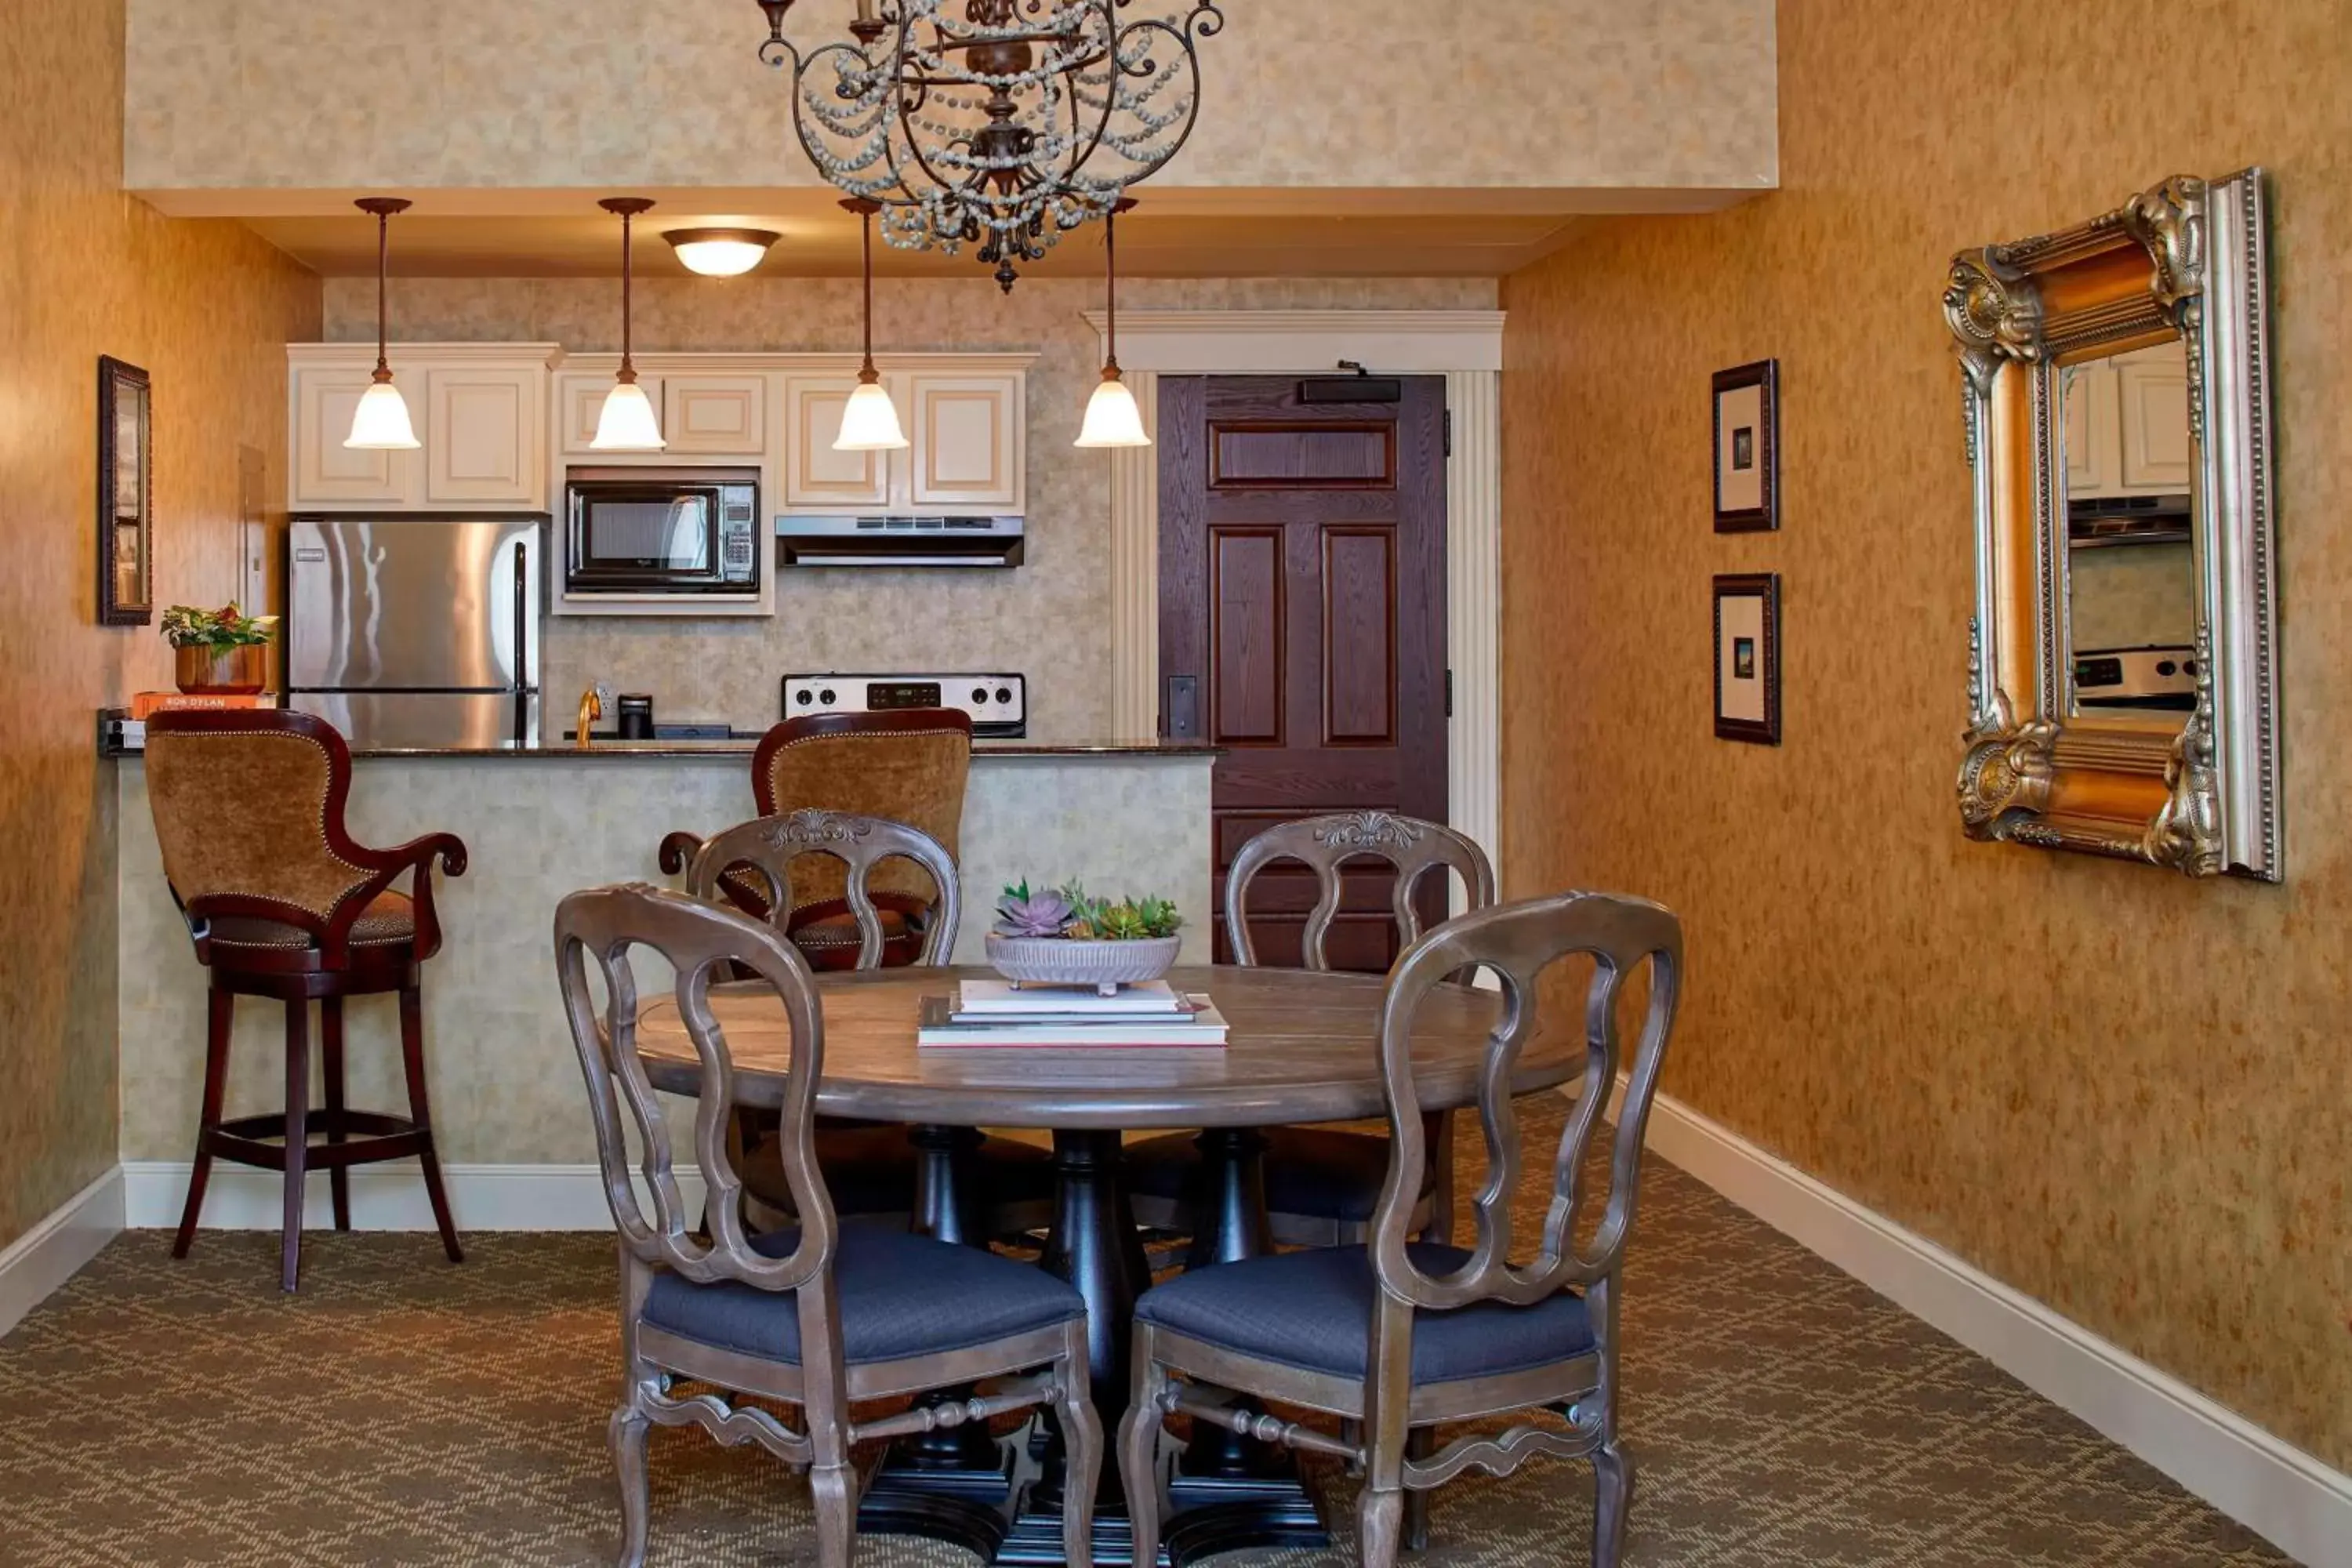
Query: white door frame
x,y
1466,348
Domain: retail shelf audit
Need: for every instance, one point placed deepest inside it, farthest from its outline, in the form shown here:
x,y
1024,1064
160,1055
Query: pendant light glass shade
x,y
869,422
1112,417
720,252
626,423
379,423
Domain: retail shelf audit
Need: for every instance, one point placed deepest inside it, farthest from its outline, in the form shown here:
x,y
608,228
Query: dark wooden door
x,y
1302,626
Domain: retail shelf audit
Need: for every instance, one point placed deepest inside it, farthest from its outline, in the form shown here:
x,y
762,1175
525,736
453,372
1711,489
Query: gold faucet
x,y
591,708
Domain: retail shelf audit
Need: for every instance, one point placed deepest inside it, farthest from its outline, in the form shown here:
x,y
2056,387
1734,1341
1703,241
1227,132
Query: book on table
x,y
145,705
984,1015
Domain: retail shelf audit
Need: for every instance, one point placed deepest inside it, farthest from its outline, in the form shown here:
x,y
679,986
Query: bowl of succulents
x,y
1063,936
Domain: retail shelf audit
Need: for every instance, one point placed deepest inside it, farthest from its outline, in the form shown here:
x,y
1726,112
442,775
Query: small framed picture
x,y
126,496
1747,448
1747,657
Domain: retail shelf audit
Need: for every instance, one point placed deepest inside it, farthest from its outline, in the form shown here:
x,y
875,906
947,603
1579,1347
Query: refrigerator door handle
x,y
523,665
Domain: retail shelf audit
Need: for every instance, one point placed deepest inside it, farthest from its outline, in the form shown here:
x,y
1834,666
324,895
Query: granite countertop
x,y
744,747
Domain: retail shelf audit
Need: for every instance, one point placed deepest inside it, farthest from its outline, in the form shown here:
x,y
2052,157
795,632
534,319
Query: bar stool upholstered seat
x,y
283,903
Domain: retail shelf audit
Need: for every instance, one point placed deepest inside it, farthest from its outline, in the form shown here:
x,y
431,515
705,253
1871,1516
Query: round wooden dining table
x,y
1301,1049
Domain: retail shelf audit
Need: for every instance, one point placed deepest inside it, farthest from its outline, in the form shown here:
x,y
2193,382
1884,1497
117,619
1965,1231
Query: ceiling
x,y
1187,234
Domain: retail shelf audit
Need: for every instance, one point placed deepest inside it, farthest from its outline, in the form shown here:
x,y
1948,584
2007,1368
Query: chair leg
x,y
1082,1445
297,1140
330,1071
626,1437
220,1016
1379,1526
420,1110
1419,1443
832,1489
1138,1451
1612,1477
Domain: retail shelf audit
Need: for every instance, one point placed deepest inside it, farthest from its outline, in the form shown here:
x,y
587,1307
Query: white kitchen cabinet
x,y
2127,425
722,415
580,402
480,411
967,439
326,473
816,478
483,437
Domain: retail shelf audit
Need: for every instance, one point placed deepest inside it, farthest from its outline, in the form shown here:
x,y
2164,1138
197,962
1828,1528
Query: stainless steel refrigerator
x,y
416,631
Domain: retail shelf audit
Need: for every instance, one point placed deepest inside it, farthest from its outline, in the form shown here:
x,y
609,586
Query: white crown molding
x,y
693,361
388,1196
37,1262
363,354
2269,1485
1288,342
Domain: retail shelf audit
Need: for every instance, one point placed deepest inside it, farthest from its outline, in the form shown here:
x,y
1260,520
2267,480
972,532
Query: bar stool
x,y
282,903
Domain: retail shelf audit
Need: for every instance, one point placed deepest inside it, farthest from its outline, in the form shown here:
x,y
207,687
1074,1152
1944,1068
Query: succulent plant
x,y
1070,911
1020,912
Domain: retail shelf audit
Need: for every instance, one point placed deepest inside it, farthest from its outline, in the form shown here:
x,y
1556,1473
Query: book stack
x,y
995,1015
144,705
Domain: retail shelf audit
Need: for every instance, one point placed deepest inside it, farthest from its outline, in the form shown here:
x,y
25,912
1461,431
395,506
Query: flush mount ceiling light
x,y
720,252
381,423
626,424
1002,128
869,420
1112,418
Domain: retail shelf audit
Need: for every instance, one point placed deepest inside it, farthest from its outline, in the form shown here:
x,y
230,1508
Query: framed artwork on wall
x,y
1747,657
1747,448
126,496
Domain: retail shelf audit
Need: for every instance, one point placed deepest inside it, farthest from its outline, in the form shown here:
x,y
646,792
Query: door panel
x,y
1303,586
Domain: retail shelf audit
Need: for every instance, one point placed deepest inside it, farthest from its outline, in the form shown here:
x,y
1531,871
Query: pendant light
x,y
869,421
627,423
1112,417
381,423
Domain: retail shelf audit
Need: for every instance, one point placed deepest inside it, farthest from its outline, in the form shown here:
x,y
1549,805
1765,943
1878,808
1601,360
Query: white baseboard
x,y
2271,1487
53,1251
390,1196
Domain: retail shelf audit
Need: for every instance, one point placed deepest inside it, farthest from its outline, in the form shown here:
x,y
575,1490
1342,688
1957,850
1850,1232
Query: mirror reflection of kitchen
x,y
2130,467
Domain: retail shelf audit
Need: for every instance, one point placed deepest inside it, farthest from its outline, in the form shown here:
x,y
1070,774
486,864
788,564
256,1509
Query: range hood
x,y
898,541
2095,521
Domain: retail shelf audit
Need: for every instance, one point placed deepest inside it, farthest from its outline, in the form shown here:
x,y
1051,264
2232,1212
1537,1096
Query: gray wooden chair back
x,y
700,940
766,847
1323,844
1517,943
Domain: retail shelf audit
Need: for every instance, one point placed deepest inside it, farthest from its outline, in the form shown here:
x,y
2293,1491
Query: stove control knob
x,y
825,697
979,694
1004,694
2189,667
2165,667
804,697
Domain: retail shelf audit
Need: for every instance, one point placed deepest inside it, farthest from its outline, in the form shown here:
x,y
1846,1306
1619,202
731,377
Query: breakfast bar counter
x,y
538,823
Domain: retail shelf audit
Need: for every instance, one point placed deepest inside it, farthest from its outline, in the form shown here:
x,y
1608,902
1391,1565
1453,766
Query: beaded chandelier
x,y
1001,129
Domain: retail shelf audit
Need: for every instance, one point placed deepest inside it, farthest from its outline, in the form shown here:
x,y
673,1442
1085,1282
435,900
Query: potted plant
x,y
222,652
1060,936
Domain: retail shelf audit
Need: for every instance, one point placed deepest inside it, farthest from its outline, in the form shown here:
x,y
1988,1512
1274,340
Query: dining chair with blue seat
x,y
876,1171
1398,1339
1321,1183
817,1316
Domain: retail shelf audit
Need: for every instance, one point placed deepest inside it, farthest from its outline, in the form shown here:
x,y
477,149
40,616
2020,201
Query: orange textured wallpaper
x,y
2123,1092
206,308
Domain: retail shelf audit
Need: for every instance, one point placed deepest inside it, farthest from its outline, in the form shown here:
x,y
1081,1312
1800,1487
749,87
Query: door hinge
x,y
1449,694
1449,431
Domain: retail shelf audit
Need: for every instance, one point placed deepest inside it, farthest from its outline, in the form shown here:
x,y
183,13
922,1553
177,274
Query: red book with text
x,y
145,704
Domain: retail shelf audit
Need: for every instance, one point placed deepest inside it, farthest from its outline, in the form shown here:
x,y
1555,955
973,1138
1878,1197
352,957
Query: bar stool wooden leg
x,y
297,1139
221,1013
412,1053
331,1065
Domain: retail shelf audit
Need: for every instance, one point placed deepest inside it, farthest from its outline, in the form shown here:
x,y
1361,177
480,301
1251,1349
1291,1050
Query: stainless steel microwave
x,y
662,533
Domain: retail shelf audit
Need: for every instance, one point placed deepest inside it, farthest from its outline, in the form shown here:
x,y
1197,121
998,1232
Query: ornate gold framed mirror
x,y
2123,658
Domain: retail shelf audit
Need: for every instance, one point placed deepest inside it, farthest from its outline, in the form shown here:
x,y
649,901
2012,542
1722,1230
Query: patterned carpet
x,y
403,1411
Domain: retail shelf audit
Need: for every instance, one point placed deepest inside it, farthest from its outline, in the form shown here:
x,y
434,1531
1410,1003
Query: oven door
x,y
645,537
